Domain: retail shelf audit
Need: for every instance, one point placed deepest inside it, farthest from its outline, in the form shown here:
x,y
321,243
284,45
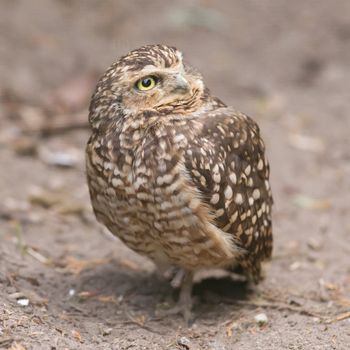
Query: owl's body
x,y
174,173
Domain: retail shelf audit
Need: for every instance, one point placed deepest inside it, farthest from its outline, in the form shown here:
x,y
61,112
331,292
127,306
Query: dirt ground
x,y
64,283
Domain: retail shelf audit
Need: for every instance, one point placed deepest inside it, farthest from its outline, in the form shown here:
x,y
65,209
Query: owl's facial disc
x,y
158,87
153,77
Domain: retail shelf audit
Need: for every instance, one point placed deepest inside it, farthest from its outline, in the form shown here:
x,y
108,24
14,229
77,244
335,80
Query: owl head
x,y
151,78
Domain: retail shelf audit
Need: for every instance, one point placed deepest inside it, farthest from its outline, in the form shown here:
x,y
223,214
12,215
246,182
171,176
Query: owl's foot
x,y
184,304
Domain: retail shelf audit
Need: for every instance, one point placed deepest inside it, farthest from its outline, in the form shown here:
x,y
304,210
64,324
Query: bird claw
x,y
179,309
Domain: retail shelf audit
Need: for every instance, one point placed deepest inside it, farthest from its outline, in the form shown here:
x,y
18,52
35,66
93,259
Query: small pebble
x,y
314,244
65,159
23,302
25,147
295,266
184,342
107,331
261,319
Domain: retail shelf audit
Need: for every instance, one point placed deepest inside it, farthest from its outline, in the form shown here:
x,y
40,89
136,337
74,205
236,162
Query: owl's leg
x,y
175,276
185,297
184,304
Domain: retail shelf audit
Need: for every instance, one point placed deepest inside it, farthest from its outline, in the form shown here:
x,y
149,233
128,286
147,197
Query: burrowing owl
x,y
173,172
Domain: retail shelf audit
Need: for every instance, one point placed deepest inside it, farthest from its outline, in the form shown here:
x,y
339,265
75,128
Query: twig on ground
x,y
21,244
139,321
6,342
38,256
340,317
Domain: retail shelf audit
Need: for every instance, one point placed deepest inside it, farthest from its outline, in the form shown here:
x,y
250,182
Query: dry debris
x,y
183,342
6,342
340,317
60,201
308,202
76,266
306,143
232,325
77,336
17,346
26,297
25,146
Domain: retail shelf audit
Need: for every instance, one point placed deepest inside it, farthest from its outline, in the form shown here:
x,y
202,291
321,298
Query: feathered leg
x,y
184,304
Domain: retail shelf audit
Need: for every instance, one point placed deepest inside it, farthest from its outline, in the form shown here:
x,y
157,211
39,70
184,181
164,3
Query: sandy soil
x,y
285,63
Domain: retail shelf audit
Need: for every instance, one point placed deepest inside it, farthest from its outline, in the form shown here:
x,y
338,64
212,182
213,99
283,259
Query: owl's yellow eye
x,y
146,83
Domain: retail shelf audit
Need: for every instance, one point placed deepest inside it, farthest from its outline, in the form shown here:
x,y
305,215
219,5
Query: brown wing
x,y
228,165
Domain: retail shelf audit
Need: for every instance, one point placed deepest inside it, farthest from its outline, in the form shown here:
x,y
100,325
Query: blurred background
x,y
285,63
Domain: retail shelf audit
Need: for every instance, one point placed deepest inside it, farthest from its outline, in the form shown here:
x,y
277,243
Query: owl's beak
x,y
181,84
